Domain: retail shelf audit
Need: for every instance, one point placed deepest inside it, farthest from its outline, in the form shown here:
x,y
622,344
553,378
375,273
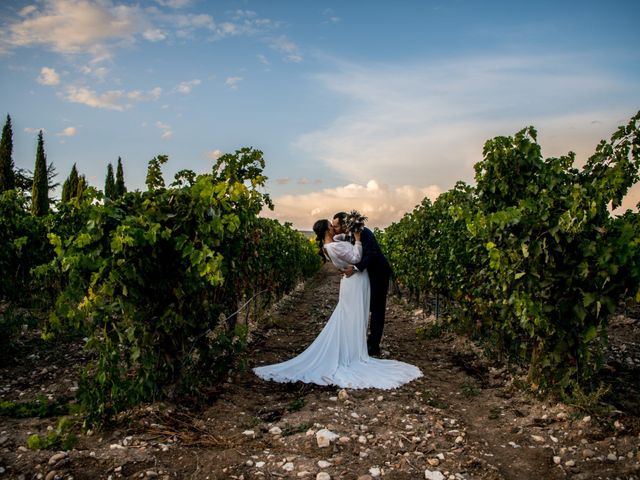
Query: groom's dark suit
x,y
379,270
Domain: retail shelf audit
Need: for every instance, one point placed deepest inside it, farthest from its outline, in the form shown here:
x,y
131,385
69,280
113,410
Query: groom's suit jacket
x,y
373,260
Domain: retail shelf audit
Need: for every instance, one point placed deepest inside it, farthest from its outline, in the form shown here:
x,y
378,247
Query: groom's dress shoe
x,y
373,351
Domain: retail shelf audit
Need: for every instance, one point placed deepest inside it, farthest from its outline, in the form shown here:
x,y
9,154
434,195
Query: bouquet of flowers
x,y
355,221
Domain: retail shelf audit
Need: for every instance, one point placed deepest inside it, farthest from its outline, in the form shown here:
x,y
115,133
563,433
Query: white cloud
x,y
232,82
108,100
111,100
154,35
214,154
174,3
186,87
68,132
48,76
263,60
155,93
76,26
28,10
330,16
187,23
290,50
382,204
98,72
167,133
426,124
32,130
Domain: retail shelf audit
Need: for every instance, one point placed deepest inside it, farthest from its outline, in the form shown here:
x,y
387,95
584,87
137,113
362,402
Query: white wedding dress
x,y
338,356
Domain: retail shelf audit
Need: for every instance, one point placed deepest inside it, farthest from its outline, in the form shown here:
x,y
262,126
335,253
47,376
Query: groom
x,y
379,270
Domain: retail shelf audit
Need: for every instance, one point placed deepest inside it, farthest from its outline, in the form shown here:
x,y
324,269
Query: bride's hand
x,y
356,235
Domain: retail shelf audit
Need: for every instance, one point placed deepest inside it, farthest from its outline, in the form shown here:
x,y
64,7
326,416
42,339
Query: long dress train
x,y
338,355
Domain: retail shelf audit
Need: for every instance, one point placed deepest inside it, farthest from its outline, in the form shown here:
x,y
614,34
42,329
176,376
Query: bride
x,y
338,356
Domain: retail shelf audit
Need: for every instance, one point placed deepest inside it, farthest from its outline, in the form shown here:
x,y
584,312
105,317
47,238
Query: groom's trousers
x,y
377,305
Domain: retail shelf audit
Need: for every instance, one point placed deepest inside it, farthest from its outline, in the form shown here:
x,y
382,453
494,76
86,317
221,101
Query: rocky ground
x,y
465,419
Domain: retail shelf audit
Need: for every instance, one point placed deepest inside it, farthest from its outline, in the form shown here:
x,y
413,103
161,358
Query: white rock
x,y
557,460
324,464
302,474
537,438
459,439
612,457
433,475
586,419
323,476
151,473
343,395
259,464
249,463
275,431
117,446
57,457
374,472
324,437
288,467
434,462
440,456
570,463
362,439
249,433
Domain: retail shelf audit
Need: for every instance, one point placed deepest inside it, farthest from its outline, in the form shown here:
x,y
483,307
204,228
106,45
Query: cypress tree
x,y
70,186
110,184
40,192
82,186
7,175
120,188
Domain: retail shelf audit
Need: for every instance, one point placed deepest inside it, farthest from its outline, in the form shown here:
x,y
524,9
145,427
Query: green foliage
x,y
62,438
110,184
40,191
531,258
154,280
73,186
41,407
154,179
7,174
23,246
120,187
184,178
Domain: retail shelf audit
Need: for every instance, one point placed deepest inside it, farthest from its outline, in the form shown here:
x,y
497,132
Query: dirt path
x,y
463,420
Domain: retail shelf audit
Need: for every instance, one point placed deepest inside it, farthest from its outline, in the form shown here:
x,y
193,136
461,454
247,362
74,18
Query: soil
x,y
466,418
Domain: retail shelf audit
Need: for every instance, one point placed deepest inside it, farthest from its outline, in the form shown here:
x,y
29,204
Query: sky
x,y
366,105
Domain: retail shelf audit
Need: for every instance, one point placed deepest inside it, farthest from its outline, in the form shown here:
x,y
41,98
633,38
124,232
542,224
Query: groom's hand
x,y
348,271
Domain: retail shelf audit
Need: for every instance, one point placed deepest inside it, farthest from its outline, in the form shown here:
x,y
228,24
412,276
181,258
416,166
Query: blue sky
x,y
362,104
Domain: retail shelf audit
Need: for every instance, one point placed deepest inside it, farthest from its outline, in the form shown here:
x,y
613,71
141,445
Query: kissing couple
x,y
341,354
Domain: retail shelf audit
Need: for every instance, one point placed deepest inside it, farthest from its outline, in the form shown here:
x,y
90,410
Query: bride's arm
x,y
348,253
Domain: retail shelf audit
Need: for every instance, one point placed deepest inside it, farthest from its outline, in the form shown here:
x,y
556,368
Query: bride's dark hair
x,y
320,228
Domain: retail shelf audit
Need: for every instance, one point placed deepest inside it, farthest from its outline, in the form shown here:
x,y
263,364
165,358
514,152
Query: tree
x,y
154,179
40,191
110,184
70,186
7,175
82,186
120,188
